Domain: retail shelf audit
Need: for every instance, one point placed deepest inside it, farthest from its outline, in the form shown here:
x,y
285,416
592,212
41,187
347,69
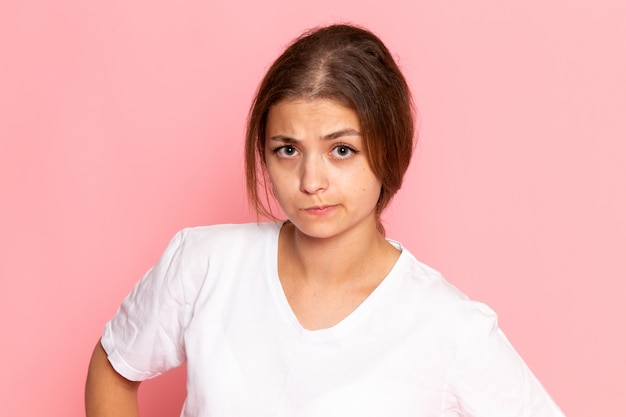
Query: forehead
x,y
310,116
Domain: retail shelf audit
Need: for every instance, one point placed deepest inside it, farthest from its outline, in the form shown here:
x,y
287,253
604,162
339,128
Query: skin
x,y
107,393
322,180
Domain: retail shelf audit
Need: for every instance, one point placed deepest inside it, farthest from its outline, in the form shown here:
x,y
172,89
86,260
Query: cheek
x,y
279,183
364,183
369,179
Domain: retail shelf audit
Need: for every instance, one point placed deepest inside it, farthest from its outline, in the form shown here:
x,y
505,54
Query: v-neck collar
x,y
347,324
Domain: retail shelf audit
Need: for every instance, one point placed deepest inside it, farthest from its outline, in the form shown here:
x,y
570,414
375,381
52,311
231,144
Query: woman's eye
x,y
343,151
286,151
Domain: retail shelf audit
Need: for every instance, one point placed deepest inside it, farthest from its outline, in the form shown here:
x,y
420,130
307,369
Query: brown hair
x,y
352,66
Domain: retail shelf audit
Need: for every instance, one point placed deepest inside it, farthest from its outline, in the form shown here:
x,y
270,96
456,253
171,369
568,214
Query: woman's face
x,y
318,168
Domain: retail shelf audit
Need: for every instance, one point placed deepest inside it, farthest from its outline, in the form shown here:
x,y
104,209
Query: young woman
x,y
317,315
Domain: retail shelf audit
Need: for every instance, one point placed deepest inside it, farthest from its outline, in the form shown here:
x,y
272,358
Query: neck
x,y
337,260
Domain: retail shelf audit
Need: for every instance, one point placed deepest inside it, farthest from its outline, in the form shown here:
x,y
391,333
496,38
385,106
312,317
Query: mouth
x,y
319,210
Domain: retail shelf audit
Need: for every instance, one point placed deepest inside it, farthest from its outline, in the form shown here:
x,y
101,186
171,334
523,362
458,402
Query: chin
x,y
316,230
329,230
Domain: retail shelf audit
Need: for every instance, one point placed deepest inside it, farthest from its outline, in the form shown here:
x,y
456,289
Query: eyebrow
x,y
330,136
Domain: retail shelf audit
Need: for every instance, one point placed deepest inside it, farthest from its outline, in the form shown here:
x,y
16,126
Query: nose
x,y
313,176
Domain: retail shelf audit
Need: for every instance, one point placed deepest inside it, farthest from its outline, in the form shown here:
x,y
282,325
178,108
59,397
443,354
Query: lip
x,y
319,210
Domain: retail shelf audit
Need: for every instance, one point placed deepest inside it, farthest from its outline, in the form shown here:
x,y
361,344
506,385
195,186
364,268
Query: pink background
x,y
122,122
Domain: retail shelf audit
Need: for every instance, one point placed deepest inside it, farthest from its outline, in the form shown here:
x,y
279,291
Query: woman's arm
x,y
107,393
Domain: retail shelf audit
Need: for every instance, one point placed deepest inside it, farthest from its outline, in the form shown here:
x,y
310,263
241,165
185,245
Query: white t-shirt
x,y
415,347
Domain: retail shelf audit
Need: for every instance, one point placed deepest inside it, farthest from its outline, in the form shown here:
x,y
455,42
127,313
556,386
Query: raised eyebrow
x,y
341,134
284,139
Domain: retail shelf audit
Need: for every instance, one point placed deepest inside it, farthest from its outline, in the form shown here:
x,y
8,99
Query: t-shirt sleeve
x,y
145,337
490,379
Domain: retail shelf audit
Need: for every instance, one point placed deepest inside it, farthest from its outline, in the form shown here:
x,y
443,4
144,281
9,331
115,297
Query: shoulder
x,y
192,248
424,281
199,255
428,294
225,235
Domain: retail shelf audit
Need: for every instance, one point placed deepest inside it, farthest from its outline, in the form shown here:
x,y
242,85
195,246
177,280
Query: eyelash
x,y
280,150
351,151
